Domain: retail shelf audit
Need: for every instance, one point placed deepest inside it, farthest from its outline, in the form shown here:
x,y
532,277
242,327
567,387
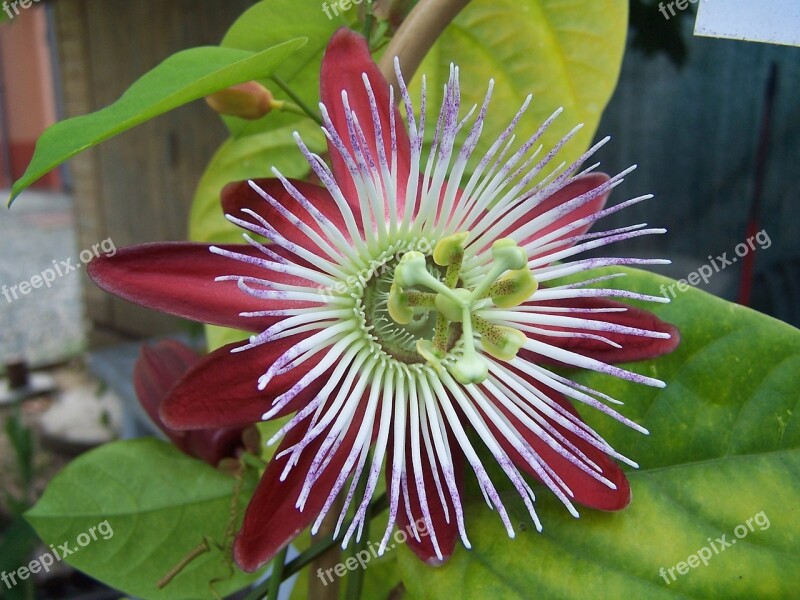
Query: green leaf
x,y
287,19
248,157
217,337
565,53
181,78
158,504
723,458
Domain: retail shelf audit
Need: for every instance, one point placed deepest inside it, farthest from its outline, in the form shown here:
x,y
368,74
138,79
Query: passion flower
x,y
400,305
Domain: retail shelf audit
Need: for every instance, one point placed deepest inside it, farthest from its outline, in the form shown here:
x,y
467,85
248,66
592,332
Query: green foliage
x,y
23,447
566,54
286,19
724,447
17,543
181,78
159,504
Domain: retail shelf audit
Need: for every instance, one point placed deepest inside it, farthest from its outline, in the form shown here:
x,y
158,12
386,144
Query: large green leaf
x,y
724,449
567,54
158,503
181,78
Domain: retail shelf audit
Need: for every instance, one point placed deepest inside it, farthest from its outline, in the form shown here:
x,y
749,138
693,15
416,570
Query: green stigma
x,y
508,283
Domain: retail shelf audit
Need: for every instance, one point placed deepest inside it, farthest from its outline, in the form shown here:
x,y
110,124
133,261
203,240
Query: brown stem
x,y
416,36
201,548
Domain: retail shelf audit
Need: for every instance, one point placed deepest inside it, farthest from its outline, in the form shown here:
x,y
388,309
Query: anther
x,y
499,341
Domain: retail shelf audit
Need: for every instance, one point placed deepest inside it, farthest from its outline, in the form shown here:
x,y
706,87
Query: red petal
x,y
634,347
346,59
221,391
272,520
239,195
158,368
446,533
178,278
588,491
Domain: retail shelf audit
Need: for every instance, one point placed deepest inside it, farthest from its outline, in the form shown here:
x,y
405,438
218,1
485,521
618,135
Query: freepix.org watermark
x,y
338,6
16,5
663,7
362,557
56,554
715,265
59,269
390,259
714,547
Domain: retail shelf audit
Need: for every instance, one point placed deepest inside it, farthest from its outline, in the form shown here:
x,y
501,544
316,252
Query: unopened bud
x,y
249,100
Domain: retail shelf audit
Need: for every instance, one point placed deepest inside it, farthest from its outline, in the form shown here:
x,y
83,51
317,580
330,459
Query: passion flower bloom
x,y
398,310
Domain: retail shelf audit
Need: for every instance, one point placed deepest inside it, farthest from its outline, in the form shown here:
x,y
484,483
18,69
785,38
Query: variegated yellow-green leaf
x,y
715,502
567,54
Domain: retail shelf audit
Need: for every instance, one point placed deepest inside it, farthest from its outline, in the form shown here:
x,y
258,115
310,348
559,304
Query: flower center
x,y
508,283
397,339
369,290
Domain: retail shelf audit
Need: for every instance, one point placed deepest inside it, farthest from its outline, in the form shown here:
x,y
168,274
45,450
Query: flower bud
x,y
158,368
249,100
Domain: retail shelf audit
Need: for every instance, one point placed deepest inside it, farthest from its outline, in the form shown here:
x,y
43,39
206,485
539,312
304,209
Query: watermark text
x,y
362,557
715,265
15,6
663,7
56,554
59,269
714,547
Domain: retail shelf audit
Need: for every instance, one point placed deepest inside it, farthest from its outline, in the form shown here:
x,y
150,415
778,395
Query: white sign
x,y
771,21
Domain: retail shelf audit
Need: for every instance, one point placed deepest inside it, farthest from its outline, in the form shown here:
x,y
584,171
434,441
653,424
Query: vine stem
x,y
277,574
297,99
419,31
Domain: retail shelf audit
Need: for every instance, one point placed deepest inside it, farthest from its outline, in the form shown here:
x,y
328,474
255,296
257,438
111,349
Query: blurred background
x,y
714,126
